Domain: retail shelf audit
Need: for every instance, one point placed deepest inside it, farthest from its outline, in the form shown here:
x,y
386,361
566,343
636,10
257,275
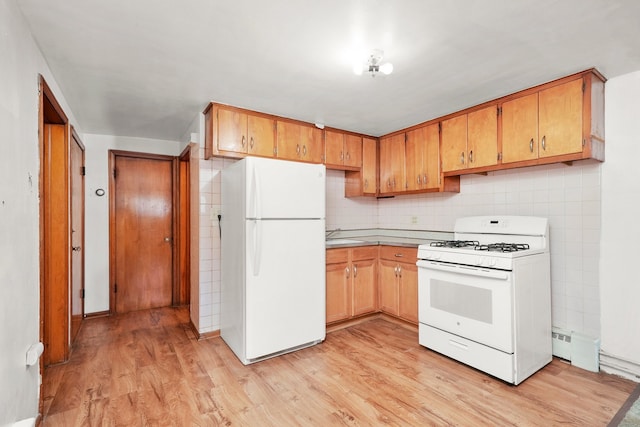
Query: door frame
x,y
75,139
175,282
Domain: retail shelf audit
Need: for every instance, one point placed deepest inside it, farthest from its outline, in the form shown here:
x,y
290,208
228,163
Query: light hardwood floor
x,y
146,368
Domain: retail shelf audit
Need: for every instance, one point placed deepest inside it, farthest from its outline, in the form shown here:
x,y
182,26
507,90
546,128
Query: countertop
x,y
366,237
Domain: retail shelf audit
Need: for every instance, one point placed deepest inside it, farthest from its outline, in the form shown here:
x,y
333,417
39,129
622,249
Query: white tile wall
x,y
568,195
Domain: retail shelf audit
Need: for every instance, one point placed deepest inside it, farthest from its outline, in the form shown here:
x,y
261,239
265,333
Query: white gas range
x,y
485,297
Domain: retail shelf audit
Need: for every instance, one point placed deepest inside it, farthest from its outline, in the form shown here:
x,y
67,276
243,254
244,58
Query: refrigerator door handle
x,y
257,192
257,247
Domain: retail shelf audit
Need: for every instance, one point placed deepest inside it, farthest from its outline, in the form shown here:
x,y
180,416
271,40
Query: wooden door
x,y
353,151
482,137
364,286
388,287
392,164
142,219
338,296
55,288
76,175
408,292
232,131
334,148
369,166
261,134
561,119
520,129
454,143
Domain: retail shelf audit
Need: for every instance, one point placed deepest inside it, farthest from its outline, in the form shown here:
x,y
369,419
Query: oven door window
x,y
474,307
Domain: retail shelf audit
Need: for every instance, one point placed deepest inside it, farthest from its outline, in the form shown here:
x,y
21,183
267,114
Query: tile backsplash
x,y
568,195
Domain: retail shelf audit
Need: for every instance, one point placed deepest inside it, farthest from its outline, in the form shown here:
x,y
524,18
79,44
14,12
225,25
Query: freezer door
x,y
285,285
284,189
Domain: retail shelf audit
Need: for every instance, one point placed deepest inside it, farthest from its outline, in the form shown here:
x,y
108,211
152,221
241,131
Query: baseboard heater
x,y
581,350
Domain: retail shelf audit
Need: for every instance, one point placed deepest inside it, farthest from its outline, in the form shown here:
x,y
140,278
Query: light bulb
x,y
386,68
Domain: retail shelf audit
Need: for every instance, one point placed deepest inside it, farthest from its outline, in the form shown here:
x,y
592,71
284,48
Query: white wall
x,y
97,208
568,195
20,64
620,285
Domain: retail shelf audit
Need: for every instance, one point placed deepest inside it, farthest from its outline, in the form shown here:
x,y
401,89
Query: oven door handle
x,y
463,269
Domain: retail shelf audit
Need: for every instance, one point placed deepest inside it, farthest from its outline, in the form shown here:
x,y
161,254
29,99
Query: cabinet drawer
x,y
364,252
335,256
399,254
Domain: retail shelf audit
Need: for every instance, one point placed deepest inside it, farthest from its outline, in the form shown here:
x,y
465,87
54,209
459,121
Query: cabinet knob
x,y
244,140
544,142
341,155
346,271
251,142
298,149
471,156
531,145
462,158
419,181
424,180
304,150
355,270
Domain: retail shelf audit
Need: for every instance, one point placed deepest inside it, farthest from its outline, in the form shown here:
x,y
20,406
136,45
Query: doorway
x,y
143,224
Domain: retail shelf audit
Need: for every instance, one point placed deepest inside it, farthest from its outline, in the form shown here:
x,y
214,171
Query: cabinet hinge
x,y
115,288
439,127
114,173
82,293
584,86
499,156
405,137
584,142
499,111
83,170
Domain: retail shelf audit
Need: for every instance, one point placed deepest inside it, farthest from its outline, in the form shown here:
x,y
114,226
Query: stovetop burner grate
x,y
455,243
502,247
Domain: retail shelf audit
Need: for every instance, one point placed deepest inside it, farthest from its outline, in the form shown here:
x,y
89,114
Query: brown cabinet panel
x,y
520,129
408,292
232,131
560,121
299,142
482,137
338,305
261,136
364,286
388,287
334,148
423,160
392,164
353,151
369,166
454,144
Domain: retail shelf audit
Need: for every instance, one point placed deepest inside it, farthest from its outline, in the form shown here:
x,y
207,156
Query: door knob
x,y
75,248
167,239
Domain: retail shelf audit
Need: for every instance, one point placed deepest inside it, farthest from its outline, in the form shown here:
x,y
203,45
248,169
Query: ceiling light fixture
x,y
374,65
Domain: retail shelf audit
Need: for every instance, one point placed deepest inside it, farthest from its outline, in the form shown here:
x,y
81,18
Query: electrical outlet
x,y
414,220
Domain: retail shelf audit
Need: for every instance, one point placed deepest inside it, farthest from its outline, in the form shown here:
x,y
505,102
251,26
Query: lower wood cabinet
x,y
398,282
351,282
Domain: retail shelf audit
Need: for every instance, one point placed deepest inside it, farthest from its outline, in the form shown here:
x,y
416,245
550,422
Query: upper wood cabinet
x,y
299,142
365,181
470,140
422,158
546,123
342,150
234,132
392,164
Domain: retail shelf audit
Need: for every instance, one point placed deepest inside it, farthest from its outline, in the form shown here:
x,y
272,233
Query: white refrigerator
x,y
273,257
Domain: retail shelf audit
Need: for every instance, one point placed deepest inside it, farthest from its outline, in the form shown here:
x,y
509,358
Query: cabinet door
x,y
232,131
364,286
454,143
388,287
560,122
482,137
415,150
333,148
261,135
353,151
392,158
431,179
369,166
312,144
520,129
338,296
408,292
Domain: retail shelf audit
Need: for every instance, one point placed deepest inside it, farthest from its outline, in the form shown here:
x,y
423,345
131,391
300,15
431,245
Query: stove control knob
x,y
479,261
491,262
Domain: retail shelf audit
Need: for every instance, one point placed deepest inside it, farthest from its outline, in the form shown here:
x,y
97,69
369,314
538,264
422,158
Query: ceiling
x,y
146,68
